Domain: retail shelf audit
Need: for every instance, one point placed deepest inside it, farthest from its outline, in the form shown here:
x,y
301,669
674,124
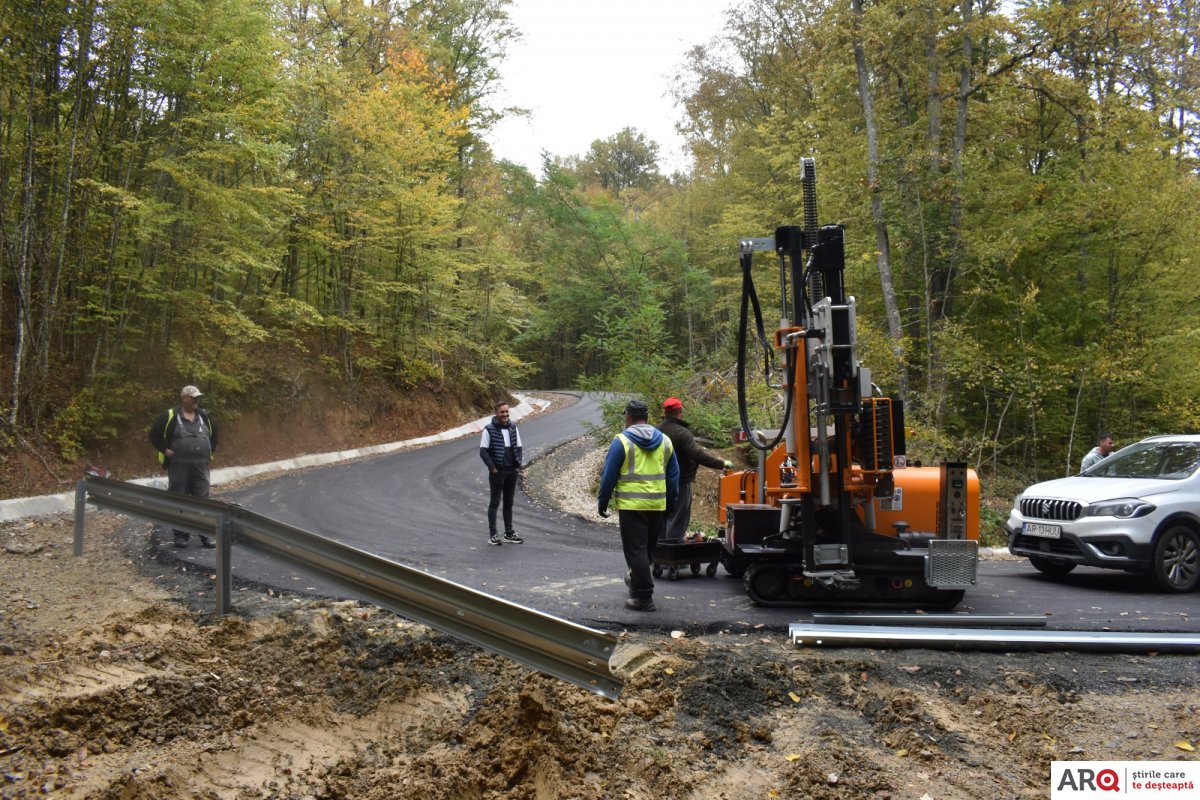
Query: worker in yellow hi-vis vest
x,y
641,478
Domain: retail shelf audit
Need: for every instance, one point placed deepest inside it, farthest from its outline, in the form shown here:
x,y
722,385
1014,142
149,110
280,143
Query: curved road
x,y
426,508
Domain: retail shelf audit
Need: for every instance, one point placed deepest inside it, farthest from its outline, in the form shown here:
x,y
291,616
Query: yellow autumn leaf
x,y
793,757
902,752
1184,745
669,671
795,697
1012,736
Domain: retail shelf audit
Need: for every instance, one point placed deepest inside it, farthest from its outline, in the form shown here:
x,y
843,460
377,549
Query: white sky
x,y
588,68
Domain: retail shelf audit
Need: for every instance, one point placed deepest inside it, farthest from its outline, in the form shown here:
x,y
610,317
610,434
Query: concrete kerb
x,y
45,505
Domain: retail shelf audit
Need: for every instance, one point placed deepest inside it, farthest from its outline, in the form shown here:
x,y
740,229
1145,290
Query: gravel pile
x,y
568,479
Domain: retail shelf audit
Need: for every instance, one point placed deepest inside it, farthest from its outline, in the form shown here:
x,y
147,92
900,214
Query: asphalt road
x,y
426,508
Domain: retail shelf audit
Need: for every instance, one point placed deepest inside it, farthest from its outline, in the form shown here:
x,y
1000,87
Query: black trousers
x,y
639,534
503,484
188,478
681,520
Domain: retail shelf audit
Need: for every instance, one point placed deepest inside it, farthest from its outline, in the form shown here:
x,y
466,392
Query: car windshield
x,y
1163,460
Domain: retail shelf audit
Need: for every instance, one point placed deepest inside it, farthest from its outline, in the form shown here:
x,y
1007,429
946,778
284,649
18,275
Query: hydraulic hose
x,y
750,297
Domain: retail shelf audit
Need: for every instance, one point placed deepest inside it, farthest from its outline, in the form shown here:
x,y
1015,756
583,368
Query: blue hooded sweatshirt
x,y
647,437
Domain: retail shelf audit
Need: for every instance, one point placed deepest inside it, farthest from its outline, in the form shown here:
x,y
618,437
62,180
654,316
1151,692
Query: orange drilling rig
x,y
833,514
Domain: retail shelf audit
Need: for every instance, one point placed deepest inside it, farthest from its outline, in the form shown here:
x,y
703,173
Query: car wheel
x,y
1176,566
1051,566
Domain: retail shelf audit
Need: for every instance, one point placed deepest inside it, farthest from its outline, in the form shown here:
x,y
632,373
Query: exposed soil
x,y
117,682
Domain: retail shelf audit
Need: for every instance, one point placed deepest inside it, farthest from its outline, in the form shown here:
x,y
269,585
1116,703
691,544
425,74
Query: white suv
x,y
1137,510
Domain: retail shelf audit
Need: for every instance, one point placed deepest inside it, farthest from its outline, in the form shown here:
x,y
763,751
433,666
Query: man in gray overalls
x,y
186,439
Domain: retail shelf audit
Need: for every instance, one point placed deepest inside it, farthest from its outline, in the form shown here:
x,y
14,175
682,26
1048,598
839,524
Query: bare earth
x,y
117,682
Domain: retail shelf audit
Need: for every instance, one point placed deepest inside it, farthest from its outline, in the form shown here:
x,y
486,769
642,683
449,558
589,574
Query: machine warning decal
x,y
893,503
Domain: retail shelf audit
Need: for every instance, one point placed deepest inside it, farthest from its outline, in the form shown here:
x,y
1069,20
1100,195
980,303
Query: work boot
x,y
511,536
181,540
207,542
640,604
494,539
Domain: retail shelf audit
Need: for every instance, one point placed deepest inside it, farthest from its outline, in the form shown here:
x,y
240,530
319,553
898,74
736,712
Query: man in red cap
x,y
690,456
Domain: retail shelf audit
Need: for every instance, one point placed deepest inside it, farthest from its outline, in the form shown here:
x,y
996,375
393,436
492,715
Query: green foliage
x,y
1037,224
623,161
90,417
209,181
992,531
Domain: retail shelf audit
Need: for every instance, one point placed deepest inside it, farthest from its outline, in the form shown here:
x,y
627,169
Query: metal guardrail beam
x,y
558,647
883,636
932,620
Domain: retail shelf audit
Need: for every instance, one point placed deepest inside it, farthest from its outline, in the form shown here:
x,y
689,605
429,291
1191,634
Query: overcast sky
x,y
588,68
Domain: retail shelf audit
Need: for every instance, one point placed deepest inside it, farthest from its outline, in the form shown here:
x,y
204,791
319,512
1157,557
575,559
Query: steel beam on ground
x,y
889,637
933,620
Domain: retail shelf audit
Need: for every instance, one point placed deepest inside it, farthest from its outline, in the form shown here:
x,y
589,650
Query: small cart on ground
x,y
672,554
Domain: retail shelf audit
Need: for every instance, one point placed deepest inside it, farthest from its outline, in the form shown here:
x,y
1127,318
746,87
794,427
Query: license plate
x,y
1043,531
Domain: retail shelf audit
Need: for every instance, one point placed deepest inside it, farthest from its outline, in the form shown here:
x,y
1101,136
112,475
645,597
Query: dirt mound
x,y
116,681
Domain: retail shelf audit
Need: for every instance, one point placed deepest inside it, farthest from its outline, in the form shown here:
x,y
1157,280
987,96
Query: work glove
x,y
603,511
728,464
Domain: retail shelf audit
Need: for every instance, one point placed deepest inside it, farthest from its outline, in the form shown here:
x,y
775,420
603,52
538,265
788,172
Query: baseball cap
x,y
672,404
190,391
637,408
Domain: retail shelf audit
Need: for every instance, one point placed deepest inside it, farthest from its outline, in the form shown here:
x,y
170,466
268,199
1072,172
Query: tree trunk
x,y
882,247
50,310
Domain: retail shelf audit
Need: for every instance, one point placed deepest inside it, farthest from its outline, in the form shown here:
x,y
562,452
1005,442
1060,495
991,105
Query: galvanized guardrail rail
x,y
895,636
558,647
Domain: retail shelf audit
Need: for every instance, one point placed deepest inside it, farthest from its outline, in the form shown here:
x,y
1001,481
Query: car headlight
x,y
1124,508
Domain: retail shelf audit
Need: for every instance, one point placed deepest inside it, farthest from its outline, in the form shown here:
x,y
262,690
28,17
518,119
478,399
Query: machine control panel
x,y
952,522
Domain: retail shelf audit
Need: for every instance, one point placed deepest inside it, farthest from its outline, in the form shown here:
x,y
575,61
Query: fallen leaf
x,y
793,757
902,752
911,668
795,697
676,634
669,671
1184,745
1012,736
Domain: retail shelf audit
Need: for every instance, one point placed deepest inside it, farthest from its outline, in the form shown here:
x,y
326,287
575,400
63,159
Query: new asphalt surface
x,y
426,508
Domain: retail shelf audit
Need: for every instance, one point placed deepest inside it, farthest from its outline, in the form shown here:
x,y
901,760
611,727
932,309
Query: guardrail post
x,y
80,505
224,537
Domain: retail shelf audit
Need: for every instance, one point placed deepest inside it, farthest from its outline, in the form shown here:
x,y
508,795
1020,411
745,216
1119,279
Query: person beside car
x,y
1104,446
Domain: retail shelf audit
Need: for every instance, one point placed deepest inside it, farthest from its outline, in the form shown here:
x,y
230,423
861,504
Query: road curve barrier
x,y
557,647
